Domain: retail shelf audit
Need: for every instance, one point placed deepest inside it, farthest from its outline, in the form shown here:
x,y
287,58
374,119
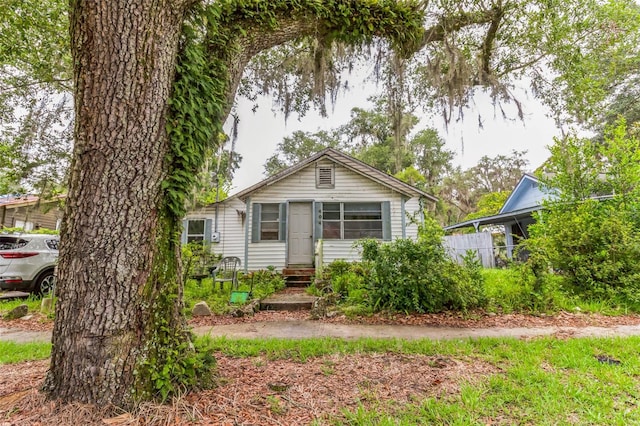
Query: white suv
x,y
27,262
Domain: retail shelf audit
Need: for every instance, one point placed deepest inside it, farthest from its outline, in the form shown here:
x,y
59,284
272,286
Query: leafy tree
x,y
431,158
462,191
590,231
35,106
298,147
153,82
499,173
152,90
489,204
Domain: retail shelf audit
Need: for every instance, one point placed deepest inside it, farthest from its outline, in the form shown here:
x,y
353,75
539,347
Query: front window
x,y
195,230
270,222
351,221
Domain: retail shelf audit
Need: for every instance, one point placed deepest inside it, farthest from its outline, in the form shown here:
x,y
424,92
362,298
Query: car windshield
x,y
11,243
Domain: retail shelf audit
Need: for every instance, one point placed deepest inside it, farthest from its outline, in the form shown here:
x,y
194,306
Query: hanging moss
x,y
197,107
199,97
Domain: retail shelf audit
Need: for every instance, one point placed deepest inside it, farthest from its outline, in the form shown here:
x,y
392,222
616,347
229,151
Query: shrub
x,y
593,243
418,276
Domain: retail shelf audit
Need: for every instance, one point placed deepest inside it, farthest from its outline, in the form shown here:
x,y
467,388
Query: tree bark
x,y
124,56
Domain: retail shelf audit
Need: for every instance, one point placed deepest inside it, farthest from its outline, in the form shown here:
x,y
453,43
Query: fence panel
x,y
481,243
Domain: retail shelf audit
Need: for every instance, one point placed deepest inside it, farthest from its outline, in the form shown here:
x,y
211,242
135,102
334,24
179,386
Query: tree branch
x,y
449,24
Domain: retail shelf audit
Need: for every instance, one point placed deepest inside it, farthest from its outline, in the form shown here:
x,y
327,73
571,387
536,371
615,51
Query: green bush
x,y
418,276
593,242
261,284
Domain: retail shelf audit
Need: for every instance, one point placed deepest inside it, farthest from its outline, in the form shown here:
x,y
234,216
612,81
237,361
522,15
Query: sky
x,y
259,133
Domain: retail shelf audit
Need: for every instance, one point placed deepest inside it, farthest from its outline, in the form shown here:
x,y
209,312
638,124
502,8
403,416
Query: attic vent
x,y
325,176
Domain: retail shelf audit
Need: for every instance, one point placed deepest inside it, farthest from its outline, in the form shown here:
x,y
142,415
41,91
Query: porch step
x,y
298,277
289,299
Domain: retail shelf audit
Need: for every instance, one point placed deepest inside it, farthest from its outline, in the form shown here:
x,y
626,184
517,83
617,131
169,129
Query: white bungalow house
x,y
330,198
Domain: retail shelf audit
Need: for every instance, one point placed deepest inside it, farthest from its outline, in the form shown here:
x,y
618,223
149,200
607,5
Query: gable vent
x,y
325,176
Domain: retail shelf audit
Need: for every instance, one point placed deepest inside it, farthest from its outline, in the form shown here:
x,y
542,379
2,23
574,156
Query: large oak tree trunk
x,y
119,333
124,56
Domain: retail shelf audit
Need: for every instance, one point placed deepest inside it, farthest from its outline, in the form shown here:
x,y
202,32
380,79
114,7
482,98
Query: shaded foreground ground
x,y
259,391
262,391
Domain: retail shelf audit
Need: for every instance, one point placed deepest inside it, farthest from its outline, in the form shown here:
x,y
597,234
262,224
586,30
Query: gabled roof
x,y
523,188
348,162
525,199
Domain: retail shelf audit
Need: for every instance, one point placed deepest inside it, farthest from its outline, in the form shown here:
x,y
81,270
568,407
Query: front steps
x,y
289,299
298,277
294,296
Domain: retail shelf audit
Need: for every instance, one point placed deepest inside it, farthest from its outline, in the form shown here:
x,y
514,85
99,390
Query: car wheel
x,y
46,283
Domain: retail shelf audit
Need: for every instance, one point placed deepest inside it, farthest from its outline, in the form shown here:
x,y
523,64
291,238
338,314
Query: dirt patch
x,y
260,391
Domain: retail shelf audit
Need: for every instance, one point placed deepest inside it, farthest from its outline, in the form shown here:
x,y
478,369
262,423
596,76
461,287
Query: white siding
x,y
349,186
413,210
230,226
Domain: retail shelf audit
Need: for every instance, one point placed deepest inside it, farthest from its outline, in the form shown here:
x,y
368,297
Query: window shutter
x,y
208,228
386,220
282,232
317,221
183,237
255,223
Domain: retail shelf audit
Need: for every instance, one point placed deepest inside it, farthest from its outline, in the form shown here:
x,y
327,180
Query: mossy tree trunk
x,y
116,230
119,335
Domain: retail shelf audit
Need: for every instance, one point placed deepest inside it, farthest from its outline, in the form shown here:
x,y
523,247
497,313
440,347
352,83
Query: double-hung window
x,y
269,222
195,230
351,221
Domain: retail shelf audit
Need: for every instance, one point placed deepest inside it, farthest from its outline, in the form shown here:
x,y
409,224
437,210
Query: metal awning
x,y
498,219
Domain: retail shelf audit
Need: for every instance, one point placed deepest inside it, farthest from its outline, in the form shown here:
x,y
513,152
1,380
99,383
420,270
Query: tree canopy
x,y
153,82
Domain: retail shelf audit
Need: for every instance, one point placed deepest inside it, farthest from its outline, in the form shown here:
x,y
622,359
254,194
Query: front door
x,y
300,234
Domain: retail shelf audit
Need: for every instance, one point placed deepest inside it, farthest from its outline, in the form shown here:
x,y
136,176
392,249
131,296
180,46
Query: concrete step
x,y
289,299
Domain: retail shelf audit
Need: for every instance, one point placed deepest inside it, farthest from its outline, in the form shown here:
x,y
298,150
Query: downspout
x,y
403,200
246,234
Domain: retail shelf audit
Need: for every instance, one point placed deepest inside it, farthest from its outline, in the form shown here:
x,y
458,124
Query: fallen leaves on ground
x,y
318,389
474,319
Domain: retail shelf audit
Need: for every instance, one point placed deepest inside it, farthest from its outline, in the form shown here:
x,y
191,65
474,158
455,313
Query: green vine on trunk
x,y
211,35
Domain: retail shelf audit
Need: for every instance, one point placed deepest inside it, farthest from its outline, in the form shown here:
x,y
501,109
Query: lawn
x,y
467,382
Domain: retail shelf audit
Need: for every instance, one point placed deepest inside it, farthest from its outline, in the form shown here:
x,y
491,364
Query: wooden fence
x,y
481,243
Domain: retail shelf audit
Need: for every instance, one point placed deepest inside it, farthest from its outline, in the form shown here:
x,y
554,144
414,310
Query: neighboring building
x,y
330,197
516,214
30,212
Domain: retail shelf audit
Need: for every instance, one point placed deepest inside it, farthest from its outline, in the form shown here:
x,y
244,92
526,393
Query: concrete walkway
x,y
310,329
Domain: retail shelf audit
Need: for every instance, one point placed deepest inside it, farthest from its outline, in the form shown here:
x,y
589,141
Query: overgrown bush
x,y
262,283
197,257
590,233
418,276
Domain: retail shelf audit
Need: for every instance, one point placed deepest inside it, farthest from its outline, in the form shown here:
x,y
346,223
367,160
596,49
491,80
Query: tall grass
x,y
511,290
33,303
